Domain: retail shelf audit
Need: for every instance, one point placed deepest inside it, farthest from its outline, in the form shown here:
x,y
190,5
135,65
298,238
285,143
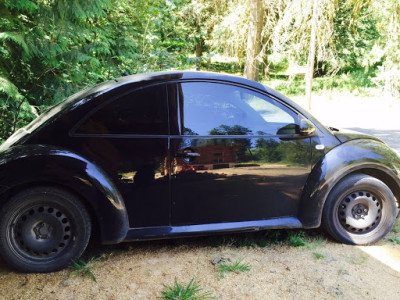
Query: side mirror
x,y
307,128
288,129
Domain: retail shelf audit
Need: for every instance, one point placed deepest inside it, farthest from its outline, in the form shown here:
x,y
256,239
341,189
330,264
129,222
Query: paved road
x,y
390,137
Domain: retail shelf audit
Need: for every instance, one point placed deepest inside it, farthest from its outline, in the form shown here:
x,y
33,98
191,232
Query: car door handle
x,y
187,154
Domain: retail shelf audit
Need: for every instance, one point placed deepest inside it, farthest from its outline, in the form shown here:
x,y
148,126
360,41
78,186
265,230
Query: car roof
x,y
154,78
166,76
186,75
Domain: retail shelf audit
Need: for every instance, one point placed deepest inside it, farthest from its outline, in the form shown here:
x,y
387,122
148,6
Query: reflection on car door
x,y
235,155
128,136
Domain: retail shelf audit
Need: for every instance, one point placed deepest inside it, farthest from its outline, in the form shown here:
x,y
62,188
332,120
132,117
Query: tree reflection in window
x,y
243,145
208,107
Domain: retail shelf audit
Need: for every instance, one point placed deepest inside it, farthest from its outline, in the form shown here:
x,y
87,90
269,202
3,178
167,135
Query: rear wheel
x,y
359,210
42,229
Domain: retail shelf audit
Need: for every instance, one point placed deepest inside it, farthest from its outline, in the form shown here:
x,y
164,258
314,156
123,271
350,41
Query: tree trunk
x,y
254,40
199,52
311,54
265,67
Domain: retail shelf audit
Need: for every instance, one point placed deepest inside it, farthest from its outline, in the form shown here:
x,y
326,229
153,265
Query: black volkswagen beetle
x,y
180,154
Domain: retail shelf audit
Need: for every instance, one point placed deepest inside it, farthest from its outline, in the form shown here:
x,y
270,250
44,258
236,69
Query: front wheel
x,y
359,210
42,229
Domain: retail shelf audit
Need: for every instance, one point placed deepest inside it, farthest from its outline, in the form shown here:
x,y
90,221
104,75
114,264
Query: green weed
x,y
249,242
395,240
296,239
178,291
396,227
236,267
83,268
318,255
274,235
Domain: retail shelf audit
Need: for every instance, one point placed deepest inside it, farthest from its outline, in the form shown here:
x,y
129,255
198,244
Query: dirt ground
x,y
322,269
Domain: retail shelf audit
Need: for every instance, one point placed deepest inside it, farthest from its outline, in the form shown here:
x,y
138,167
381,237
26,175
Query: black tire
x,y
42,229
359,210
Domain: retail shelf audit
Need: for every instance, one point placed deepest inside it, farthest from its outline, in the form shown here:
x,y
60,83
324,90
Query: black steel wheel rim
x,y
40,232
360,212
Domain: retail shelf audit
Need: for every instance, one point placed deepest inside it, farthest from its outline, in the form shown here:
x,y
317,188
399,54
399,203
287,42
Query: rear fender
x,y
22,166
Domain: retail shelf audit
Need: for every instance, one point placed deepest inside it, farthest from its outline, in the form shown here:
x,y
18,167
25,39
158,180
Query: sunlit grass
x,y
236,267
191,291
84,268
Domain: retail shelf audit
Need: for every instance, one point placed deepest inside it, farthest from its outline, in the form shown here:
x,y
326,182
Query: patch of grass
x,y
291,88
275,236
191,291
83,268
318,255
396,227
247,242
357,81
262,243
296,239
342,271
236,267
226,67
358,260
395,240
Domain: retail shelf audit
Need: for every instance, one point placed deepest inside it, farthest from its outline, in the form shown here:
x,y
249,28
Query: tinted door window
x,y
218,109
230,163
143,111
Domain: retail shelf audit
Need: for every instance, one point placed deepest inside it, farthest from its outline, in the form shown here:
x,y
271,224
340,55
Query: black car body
x,y
182,153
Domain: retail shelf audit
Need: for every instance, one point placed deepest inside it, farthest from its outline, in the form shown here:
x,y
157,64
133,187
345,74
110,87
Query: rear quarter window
x,y
142,111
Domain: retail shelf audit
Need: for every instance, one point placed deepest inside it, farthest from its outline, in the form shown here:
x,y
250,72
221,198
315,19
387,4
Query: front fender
x,y
38,164
350,157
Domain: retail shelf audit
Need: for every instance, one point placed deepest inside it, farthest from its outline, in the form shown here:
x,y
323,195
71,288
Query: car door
x,y
127,136
236,155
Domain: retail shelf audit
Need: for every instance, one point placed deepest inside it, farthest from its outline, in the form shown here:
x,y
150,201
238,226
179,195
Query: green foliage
x,y
269,150
192,291
310,239
243,145
51,49
14,37
82,268
395,240
318,255
235,267
349,79
296,239
355,39
396,227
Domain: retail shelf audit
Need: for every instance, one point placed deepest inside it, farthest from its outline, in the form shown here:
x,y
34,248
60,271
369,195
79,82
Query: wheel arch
x,y
354,157
68,171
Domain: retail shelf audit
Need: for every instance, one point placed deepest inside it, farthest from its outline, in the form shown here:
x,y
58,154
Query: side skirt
x,y
163,232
